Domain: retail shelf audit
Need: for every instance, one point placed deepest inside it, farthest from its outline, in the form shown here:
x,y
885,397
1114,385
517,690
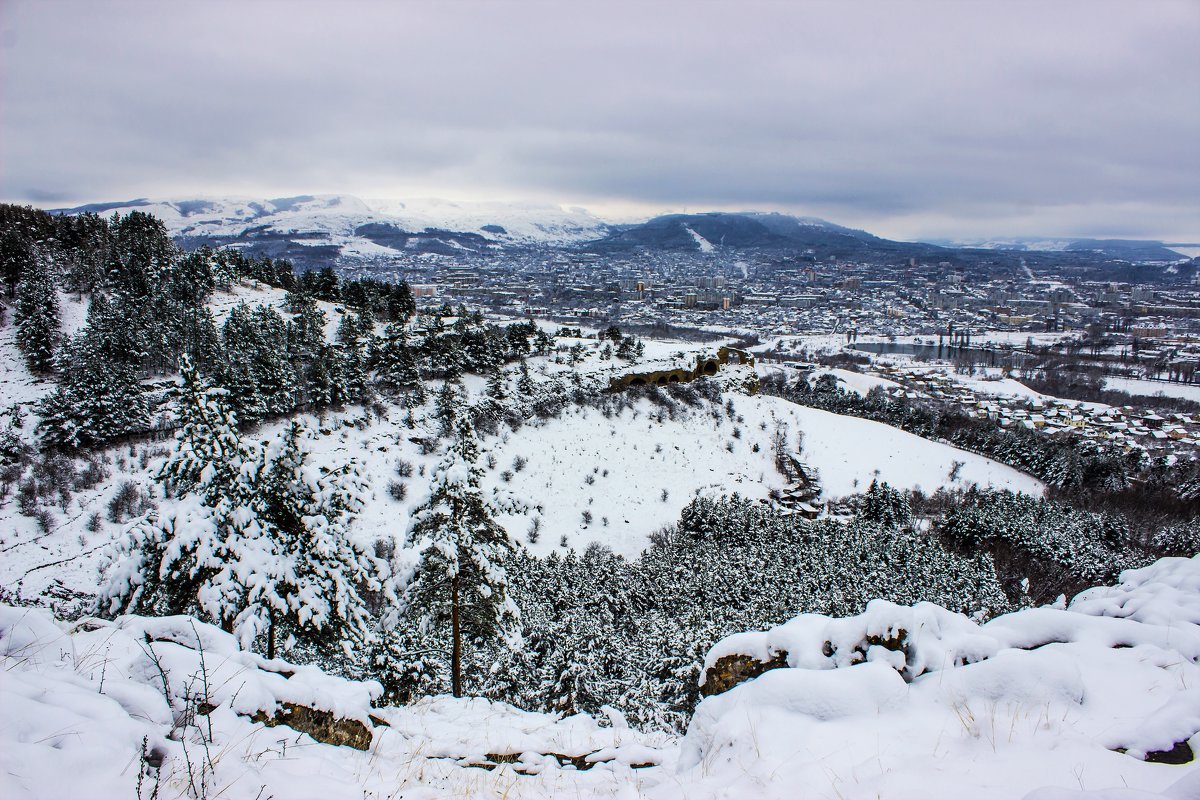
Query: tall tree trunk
x,y
271,636
456,637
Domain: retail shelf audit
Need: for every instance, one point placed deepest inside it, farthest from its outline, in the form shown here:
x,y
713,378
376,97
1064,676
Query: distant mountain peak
x,y
312,227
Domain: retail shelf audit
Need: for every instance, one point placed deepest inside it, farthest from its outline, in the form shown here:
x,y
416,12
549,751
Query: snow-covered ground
x,y
1187,391
857,382
617,469
1047,703
1042,698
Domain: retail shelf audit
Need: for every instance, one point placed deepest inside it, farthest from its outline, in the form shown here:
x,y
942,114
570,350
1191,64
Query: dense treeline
x,y
597,629
1043,549
148,305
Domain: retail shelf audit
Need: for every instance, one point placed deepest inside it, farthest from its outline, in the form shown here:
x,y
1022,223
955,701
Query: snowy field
x,y
1186,391
1046,704
617,469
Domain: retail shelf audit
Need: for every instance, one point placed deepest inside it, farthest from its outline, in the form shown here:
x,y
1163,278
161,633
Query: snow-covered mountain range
x,y
346,231
365,228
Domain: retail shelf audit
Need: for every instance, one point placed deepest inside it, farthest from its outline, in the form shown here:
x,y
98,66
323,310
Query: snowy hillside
x,y
920,702
617,469
1047,704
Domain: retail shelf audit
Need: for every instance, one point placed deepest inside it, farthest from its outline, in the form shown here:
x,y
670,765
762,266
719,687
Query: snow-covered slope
x,y
147,707
1067,702
340,218
616,469
1046,704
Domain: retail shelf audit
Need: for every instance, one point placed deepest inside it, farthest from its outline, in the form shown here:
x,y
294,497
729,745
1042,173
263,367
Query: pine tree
x,y
84,239
448,406
627,349
496,386
525,383
395,365
400,303
36,314
257,541
99,396
461,578
140,251
354,334
258,371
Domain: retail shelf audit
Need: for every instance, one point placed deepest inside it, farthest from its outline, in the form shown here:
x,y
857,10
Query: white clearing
x,y
632,458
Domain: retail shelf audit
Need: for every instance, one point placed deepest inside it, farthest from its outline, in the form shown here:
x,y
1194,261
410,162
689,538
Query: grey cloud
x,y
912,118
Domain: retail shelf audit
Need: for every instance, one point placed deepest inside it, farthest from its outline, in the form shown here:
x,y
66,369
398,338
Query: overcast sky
x,y
910,119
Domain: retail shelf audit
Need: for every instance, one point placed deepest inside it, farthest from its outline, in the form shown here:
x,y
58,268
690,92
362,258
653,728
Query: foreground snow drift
x,y
897,702
107,710
922,702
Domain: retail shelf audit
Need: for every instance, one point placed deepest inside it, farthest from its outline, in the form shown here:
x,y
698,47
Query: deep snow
x,y
1038,703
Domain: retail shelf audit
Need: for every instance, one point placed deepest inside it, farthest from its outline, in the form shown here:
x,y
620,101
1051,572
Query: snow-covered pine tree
x,y
98,397
885,505
525,385
308,509
354,334
395,365
448,406
496,386
36,314
257,370
257,539
460,579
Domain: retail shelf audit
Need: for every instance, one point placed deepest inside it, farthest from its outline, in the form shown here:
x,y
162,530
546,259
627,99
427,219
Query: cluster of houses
x,y
1125,426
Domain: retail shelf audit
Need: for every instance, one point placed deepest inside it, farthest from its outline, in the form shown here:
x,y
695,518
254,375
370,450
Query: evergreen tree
x,y
36,314
885,505
354,334
496,386
85,240
141,249
400,303
99,396
257,541
257,370
16,251
395,365
461,580
525,383
627,349
448,406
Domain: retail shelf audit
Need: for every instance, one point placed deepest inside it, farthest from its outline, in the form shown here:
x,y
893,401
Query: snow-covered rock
x,y
1100,696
